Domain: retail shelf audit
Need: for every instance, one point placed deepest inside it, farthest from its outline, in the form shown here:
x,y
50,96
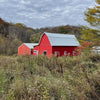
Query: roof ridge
x,y
58,33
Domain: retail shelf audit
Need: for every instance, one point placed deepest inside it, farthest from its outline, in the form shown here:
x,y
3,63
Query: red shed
x,y
56,44
26,48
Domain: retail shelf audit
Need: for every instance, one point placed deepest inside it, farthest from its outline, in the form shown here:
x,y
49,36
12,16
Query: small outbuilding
x,y
26,48
56,44
96,50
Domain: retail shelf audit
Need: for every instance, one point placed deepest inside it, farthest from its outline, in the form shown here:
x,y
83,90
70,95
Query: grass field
x,y
56,78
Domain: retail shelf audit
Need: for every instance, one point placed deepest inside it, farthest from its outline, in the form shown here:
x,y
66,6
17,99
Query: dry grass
x,y
40,78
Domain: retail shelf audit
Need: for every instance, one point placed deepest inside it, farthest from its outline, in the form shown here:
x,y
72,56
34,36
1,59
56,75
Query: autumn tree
x,y
21,25
88,34
93,15
92,34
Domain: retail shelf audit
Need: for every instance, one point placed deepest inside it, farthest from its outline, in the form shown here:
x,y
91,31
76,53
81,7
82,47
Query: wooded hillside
x,y
12,35
23,33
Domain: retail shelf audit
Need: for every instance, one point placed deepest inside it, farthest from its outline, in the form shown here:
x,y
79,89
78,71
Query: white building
x,y
96,49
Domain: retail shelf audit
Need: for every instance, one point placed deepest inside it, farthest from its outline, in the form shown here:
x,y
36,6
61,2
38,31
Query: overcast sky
x,y
43,13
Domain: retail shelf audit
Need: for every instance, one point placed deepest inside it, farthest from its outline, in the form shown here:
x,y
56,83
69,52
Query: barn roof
x,y
31,45
59,39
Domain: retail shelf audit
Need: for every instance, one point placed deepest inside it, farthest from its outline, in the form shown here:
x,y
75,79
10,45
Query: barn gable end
x,y
26,48
44,46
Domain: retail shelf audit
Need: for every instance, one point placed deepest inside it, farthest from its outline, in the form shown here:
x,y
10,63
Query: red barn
x,y
56,44
26,48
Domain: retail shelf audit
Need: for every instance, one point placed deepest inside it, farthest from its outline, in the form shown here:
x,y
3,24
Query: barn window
x,y
35,51
73,52
65,53
56,53
45,52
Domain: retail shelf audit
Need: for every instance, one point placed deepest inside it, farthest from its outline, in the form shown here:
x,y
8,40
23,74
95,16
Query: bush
x,y
95,58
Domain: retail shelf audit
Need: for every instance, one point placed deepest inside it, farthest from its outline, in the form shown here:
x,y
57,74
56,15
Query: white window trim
x,y
65,53
36,52
73,53
56,53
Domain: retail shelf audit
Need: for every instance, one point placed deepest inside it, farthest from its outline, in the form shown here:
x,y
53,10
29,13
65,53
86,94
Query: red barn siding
x,y
61,49
36,49
44,45
23,50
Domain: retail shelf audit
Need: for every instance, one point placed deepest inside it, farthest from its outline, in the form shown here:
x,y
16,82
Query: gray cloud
x,y
41,13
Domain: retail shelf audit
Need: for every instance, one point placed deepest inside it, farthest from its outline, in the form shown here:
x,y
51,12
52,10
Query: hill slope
x,y
12,35
24,33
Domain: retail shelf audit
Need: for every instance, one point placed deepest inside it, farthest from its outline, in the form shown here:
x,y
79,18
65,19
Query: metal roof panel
x,y
62,39
31,45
